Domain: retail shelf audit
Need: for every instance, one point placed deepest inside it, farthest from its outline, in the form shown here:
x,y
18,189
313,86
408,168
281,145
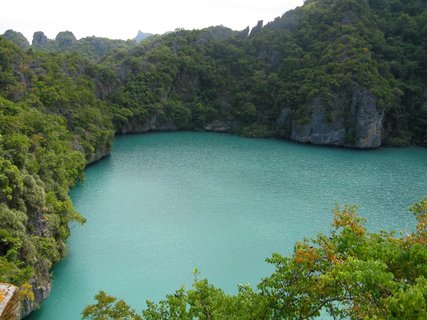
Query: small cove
x,y
165,203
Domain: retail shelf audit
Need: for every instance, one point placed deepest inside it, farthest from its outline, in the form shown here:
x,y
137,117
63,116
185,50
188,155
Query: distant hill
x,y
18,38
141,36
93,48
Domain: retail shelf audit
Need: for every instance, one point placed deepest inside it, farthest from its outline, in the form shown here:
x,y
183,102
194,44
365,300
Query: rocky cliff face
x,y
100,153
18,38
154,123
362,130
141,36
319,130
40,40
41,289
65,39
223,126
42,282
368,120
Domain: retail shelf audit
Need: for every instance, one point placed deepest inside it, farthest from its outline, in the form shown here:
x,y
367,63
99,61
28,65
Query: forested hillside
x,y
50,119
331,72
334,72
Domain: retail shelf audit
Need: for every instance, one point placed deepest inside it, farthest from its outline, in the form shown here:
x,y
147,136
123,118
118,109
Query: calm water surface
x,y
165,203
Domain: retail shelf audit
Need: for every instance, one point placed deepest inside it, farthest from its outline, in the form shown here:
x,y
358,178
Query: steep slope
x,y
50,120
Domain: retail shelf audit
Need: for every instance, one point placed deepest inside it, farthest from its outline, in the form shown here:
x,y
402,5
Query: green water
x,y
163,204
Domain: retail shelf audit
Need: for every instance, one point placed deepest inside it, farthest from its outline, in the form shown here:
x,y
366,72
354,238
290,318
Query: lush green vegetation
x,y
50,120
319,54
264,82
62,101
349,273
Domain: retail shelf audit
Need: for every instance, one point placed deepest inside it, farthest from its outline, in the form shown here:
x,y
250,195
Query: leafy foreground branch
x,y
350,273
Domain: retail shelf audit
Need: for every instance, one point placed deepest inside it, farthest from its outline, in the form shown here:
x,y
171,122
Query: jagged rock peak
x,y
18,38
141,36
39,40
245,32
257,28
65,39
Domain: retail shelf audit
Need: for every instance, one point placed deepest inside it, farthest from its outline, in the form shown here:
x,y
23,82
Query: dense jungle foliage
x,y
260,84
50,120
62,101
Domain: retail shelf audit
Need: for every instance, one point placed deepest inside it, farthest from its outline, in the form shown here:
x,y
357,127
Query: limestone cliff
x,y
100,153
41,289
368,120
65,39
319,130
41,283
154,123
18,38
223,126
361,129
40,40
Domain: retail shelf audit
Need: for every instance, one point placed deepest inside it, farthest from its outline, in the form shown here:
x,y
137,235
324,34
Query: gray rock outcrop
x,y
42,282
223,126
141,36
257,28
368,120
65,39
18,38
319,130
40,41
41,290
362,129
154,123
100,153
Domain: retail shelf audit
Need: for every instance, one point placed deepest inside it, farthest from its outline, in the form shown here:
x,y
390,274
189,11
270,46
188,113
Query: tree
x,y
108,307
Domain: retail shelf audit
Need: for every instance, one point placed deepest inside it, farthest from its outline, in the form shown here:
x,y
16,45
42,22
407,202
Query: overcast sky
x,y
122,19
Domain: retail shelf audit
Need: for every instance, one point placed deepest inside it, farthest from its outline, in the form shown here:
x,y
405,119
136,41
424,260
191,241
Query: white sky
x,y
122,19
